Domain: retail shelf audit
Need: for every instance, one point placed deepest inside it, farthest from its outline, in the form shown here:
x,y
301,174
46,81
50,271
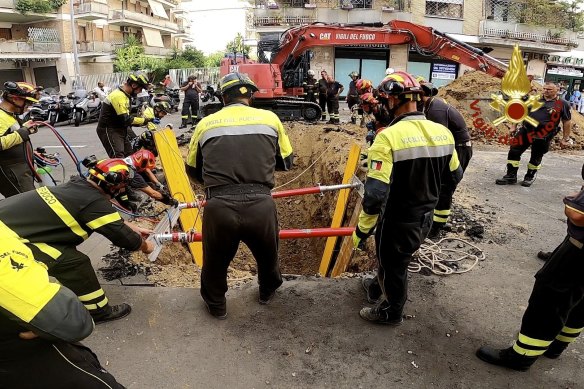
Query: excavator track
x,y
287,109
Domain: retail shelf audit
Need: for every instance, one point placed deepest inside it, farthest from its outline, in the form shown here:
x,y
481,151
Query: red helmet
x,y
111,172
400,84
368,98
143,159
363,86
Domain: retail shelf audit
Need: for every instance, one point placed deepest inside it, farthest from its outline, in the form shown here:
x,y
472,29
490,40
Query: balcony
x,y
128,18
286,17
9,14
157,51
91,11
26,50
168,4
94,49
527,36
183,32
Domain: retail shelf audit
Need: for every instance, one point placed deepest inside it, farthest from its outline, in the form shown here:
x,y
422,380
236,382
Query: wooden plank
x,y
346,251
343,197
179,186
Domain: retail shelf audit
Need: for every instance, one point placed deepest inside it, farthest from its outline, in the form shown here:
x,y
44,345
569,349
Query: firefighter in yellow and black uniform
x,y
234,152
115,119
41,323
408,161
53,221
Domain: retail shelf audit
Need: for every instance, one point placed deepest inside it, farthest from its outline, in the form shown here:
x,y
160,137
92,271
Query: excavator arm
x,y
427,41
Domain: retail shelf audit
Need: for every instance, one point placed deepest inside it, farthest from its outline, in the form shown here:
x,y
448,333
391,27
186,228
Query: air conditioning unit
x,y
125,29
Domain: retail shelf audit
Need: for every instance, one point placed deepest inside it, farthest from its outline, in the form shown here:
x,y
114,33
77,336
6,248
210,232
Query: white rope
x,y
439,259
305,170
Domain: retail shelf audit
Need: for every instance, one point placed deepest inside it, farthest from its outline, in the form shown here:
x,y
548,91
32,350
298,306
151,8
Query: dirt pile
x,y
471,94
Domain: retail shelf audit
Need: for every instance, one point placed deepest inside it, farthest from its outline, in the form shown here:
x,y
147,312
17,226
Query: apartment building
x,y
38,46
492,25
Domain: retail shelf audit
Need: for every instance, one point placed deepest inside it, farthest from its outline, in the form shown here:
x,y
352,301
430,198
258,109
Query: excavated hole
x,y
174,265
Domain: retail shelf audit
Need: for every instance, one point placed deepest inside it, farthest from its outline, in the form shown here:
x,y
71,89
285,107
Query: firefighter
x,y
115,119
322,94
52,221
15,173
234,153
549,116
310,87
407,163
333,91
190,107
353,98
438,111
554,317
155,113
41,323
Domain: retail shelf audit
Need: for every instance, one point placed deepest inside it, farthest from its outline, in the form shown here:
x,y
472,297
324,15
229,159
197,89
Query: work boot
x,y
372,289
555,349
529,178
217,312
354,120
381,315
183,124
545,256
112,312
436,231
506,357
510,177
323,118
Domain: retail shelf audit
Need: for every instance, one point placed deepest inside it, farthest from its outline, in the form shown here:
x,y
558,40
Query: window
x,y
295,3
367,4
444,8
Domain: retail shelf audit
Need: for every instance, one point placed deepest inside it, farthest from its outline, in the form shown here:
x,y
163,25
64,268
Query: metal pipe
x,y
193,236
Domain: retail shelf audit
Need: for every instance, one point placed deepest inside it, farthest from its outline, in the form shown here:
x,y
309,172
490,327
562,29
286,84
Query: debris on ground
x,y
120,265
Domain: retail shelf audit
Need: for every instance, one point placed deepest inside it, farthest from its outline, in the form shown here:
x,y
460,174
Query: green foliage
x,y
214,60
564,15
128,58
194,56
237,46
38,6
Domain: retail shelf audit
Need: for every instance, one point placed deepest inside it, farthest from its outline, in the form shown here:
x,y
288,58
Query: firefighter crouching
x,y
52,221
310,87
41,323
407,162
15,173
438,111
115,118
554,317
234,153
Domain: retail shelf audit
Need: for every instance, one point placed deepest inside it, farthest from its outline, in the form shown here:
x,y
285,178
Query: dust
x,y
321,151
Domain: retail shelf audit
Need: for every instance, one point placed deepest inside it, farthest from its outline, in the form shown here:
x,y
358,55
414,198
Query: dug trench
x,y
320,155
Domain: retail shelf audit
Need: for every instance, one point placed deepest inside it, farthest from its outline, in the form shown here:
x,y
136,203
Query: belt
x,y
576,242
467,143
237,189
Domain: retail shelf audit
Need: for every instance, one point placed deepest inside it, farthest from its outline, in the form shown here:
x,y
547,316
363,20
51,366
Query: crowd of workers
x,y
413,134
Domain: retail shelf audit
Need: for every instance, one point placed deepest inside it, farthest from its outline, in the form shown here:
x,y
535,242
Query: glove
x,y
370,137
30,127
161,187
359,239
166,199
156,121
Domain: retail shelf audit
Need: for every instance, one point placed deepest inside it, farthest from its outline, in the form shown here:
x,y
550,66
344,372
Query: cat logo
x,y
325,36
15,265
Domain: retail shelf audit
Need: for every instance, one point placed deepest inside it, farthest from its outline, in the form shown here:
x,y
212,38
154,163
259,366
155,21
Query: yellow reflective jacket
x,y
11,139
239,145
115,112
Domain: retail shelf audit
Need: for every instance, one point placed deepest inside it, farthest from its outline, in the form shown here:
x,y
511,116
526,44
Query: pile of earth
x,y
471,94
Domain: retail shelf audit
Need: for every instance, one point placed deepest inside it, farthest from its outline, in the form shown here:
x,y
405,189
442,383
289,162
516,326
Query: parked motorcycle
x,y
62,110
87,109
174,96
209,105
39,111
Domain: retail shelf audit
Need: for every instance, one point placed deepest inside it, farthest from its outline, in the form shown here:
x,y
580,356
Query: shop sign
x,y
443,71
565,71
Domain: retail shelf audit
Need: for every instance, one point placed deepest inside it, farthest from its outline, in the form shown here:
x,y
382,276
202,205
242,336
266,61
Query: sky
x,y
214,23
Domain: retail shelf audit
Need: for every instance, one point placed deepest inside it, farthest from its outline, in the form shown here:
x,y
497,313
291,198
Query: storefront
x,y
436,70
566,68
369,62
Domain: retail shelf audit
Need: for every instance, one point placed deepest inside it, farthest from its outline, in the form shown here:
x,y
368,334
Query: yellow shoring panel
x,y
342,199
179,186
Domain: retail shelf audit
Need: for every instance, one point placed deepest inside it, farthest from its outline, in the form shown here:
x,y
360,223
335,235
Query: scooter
x,y
87,109
174,96
62,110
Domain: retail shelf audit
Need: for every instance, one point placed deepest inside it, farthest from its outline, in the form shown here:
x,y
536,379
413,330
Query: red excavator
x,y
283,64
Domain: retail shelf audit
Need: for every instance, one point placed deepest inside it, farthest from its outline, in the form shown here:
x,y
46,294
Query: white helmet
x,y
311,72
389,71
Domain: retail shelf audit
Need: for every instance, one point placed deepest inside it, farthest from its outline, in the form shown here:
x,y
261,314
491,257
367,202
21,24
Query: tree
x,y
194,56
566,14
237,45
214,60
129,56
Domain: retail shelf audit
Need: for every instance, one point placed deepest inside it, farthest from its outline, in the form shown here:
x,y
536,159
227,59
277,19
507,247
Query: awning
x,y
158,9
153,37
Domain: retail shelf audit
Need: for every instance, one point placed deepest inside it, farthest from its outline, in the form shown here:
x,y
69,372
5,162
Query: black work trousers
x,y
229,220
556,304
73,270
322,101
395,243
39,364
116,141
539,147
190,110
447,189
15,178
332,105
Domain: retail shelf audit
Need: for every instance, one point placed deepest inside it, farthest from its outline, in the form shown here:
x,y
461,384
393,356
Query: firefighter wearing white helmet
x,y
389,71
234,153
310,86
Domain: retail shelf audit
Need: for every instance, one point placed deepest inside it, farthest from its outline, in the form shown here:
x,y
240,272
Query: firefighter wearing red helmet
x,y
15,173
234,153
53,221
407,163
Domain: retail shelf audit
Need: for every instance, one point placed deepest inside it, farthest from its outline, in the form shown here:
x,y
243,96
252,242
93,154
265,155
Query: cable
x,y
443,260
305,170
